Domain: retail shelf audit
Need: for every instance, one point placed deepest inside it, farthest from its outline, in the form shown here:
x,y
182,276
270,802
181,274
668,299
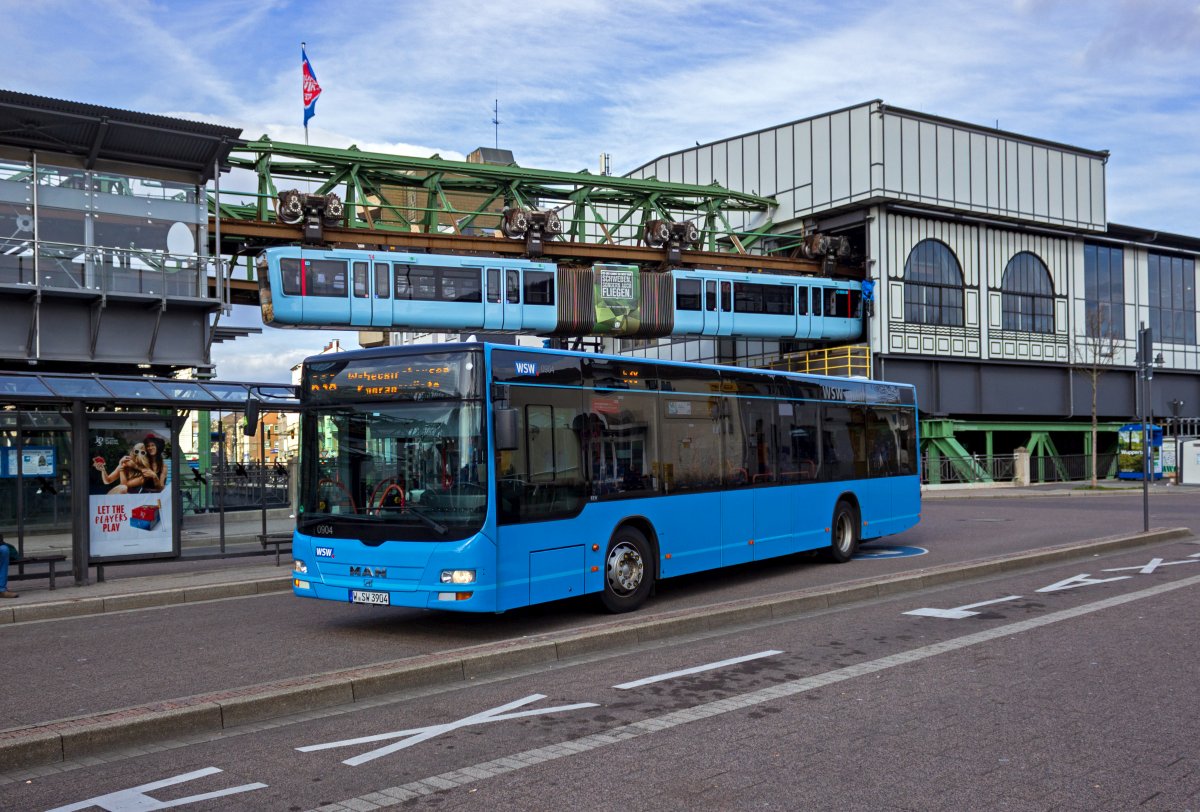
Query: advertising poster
x,y
129,494
617,291
36,461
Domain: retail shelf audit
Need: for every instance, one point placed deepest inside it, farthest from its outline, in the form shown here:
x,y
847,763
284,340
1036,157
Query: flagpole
x,y
302,47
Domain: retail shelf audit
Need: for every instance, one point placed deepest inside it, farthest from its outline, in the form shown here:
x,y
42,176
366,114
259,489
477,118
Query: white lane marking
x,y
1076,581
135,799
477,773
417,735
958,612
625,686
1155,563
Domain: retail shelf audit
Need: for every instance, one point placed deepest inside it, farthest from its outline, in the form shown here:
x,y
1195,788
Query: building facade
x,y
1002,290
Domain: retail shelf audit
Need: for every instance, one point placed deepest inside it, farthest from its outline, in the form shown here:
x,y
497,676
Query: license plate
x,y
377,598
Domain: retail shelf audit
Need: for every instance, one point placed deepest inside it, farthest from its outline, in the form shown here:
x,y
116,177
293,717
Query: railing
x,y
846,361
236,486
70,266
939,469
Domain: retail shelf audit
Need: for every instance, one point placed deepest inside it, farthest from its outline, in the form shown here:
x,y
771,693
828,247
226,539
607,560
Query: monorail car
x,y
348,289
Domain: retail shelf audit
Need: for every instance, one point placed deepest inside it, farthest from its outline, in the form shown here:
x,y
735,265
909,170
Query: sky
x,y
636,80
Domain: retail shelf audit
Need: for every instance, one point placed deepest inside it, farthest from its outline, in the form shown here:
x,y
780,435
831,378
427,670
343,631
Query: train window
x,y
512,286
710,295
325,277
424,283
726,297
816,300
461,285
493,285
803,311
687,294
776,300
289,273
841,303
361,280
539,287
403,285
383,287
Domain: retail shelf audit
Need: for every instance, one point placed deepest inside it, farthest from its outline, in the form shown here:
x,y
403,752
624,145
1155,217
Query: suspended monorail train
x,y
380,290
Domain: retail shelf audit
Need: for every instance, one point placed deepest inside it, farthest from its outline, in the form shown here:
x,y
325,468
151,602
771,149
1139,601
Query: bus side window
x,y
512,286
816,302
803,309
726,297
710,295
687,294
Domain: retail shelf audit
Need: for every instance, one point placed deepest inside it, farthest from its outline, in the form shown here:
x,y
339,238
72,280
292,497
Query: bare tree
x,y
1095,354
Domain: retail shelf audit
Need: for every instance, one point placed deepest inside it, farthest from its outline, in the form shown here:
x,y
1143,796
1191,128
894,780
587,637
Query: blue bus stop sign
x,y
889,551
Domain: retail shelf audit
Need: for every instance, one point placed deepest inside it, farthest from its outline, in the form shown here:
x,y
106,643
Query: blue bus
x,y
479,477
347,288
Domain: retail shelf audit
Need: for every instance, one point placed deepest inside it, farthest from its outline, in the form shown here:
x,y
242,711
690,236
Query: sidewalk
x,y
203,572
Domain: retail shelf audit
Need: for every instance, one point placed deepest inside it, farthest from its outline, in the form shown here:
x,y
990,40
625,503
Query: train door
x,y
360,294
381,298
493,299
718,308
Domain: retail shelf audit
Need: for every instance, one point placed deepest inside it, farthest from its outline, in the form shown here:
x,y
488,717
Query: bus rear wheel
x,y
628,571
845,533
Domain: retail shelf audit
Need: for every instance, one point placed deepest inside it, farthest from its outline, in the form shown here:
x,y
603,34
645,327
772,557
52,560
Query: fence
x,y
236,486
940,469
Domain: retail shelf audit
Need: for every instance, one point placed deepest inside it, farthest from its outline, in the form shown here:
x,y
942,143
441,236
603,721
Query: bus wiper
x,y
433,524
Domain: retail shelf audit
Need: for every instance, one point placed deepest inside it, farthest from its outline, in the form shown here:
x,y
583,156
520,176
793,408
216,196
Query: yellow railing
x,y
844,361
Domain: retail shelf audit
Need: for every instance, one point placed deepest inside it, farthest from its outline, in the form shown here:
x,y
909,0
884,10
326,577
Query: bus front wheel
x,y
628,571
845,532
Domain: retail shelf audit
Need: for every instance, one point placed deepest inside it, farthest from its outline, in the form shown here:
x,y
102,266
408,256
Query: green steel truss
x,y
939,442
427,195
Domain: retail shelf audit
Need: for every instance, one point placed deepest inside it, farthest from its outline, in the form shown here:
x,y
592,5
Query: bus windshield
x,y
394,449
412,471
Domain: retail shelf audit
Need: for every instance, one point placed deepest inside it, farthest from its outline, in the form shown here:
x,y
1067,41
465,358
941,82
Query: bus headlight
x,y
299,566
458,576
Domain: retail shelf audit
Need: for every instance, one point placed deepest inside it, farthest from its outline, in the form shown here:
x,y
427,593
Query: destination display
x,y
417,377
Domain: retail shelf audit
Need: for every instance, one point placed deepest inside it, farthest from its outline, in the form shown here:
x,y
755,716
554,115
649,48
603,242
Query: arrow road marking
x,y
625,686
417,735
959,612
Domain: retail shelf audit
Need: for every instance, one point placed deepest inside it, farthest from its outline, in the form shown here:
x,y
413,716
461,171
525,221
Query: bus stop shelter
x,y
99,457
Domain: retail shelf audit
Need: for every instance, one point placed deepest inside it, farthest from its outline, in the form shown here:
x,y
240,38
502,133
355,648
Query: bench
x,y
49,560
277,540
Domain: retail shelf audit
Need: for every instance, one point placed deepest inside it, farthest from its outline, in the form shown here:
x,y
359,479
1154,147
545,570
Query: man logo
x,y
367,572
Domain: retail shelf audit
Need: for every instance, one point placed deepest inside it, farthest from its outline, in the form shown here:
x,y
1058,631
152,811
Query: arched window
x,y
1027,295
933,285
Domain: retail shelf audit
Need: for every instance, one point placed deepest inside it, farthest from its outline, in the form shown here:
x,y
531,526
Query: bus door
x,y
381,294
360,294
737,497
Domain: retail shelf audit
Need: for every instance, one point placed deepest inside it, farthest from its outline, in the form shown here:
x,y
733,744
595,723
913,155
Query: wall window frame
x,y
1104,291
933,285
1027,295
1171,282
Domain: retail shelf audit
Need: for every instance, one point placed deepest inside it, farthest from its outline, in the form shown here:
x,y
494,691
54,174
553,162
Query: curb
x,y
68,739
80,607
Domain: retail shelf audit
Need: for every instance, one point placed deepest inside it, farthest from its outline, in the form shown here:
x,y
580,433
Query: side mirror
x,y
506,429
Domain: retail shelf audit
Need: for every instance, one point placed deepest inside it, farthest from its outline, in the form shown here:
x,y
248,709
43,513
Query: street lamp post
x,y
1146,361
